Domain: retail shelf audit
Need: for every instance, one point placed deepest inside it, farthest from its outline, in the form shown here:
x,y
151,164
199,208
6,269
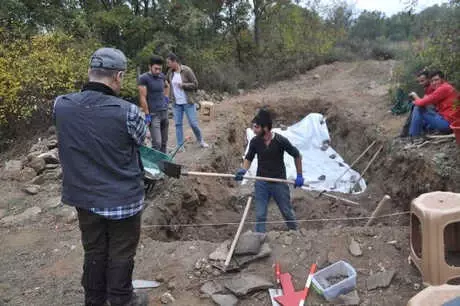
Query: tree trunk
x,y
258,5
146,8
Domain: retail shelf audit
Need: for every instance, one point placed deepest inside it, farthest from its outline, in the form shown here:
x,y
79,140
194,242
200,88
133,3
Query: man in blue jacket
x,y
99,135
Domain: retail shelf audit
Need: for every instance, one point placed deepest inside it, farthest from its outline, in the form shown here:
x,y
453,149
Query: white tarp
x,y
308,136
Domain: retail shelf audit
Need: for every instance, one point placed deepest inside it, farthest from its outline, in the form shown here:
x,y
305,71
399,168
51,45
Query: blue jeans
x,y
190,112
424,119
280,192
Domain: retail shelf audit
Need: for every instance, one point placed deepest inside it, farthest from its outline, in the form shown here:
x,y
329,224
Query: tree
x,y
236,19
369,25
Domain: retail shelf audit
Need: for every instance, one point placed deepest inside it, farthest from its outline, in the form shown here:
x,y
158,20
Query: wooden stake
x,y
238,233
368,166
354,162
386,198
328,195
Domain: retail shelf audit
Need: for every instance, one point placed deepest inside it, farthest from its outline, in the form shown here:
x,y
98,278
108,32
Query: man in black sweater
x,y
270,148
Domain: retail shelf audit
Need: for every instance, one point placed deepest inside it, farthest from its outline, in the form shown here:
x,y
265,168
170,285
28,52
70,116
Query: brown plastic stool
x,y
435,296
207,111
435,237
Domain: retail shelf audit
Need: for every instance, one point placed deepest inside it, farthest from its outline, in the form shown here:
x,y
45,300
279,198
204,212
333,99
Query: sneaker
x,y
204,144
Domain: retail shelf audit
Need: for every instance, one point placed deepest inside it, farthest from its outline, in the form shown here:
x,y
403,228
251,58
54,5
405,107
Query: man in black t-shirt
x,y
153,98
270,148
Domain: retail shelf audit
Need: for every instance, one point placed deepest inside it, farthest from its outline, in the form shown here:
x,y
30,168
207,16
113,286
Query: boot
x,y
139,299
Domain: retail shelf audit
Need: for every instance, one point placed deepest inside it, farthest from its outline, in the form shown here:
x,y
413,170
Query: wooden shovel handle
x,y
238,233
228,175
267,179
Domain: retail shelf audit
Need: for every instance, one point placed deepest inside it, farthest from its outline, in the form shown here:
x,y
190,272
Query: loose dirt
x,y
42,258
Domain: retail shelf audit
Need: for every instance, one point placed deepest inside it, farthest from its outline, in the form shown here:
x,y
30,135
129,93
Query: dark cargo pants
x,y
159,130
110,247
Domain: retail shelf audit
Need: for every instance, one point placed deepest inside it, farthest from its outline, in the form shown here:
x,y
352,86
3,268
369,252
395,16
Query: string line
x,y
276,222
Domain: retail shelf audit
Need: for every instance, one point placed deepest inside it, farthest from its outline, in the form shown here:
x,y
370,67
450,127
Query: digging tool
x,y
367,167
144,284
175,170
354,162
237,236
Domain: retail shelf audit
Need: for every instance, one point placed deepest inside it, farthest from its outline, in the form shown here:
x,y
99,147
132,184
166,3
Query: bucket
x,y
455,127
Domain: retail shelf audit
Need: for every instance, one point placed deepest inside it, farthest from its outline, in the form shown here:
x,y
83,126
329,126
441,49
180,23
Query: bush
x,y
355,49
33,73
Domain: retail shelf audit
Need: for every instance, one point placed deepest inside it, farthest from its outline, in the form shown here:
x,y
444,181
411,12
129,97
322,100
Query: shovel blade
x,y
169,168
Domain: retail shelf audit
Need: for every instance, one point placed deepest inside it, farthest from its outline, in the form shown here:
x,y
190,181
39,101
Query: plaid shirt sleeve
x,y
136,125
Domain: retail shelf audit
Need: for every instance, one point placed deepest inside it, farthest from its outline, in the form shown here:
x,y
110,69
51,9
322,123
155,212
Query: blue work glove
x,y
299,181
148,119
239,174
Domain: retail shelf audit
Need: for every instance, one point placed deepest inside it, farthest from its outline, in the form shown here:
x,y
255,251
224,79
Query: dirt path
x,y
42,255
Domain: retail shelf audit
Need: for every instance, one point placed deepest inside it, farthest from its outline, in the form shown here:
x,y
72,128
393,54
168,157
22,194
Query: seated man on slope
x,y
443,98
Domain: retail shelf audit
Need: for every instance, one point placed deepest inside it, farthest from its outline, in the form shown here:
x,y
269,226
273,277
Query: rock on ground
x,y
48,175
225,299
354,248
351,298
212,287
32,189
380,280
221,252
22,217
167,298
12,170
27,174
53,202
3,213
67,214
243,284
50,157
37,163
249,243
241,260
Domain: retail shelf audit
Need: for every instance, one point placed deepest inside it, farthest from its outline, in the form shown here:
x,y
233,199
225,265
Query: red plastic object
x,y
308,283
277,273
455,127
290,297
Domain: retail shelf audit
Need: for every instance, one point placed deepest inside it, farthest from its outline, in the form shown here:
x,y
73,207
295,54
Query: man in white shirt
x,y
184,85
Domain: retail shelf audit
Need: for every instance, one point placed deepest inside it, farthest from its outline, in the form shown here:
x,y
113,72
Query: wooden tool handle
x,y
267,179
257,178
238,233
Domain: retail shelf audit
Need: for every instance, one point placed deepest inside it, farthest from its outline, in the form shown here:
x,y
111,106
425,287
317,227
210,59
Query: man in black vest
x,y
99,135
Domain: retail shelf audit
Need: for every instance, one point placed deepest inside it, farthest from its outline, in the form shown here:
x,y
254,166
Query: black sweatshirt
x,y
270,158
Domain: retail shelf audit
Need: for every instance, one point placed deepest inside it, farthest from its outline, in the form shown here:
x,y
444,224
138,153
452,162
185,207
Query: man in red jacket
x,y
424,80
443,97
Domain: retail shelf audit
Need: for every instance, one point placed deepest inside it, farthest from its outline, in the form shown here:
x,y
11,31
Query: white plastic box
x,y
330,292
